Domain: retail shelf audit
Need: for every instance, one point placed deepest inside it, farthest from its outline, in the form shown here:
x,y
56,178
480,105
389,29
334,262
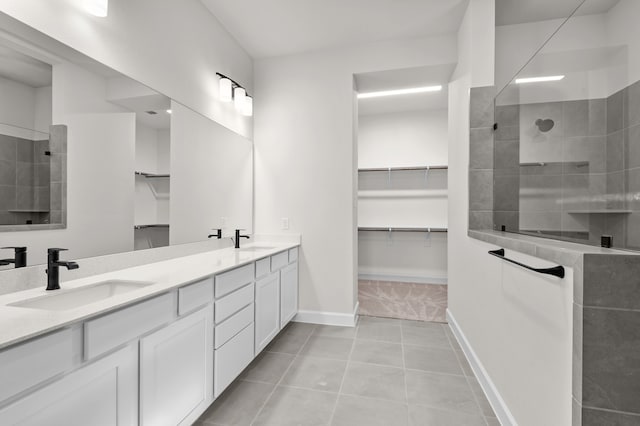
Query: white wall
x,y
305,156
211,178
194,47
25,107
411,138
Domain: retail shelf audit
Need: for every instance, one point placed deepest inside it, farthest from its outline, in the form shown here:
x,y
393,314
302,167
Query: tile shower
x,y
576,179
25,180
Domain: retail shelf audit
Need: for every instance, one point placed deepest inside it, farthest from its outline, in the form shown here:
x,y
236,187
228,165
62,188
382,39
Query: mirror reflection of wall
x,y
123,144
25,154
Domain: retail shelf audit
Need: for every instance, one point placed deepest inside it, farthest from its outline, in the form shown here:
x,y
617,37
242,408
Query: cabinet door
x,y
267,310
102,393
176,370
288,293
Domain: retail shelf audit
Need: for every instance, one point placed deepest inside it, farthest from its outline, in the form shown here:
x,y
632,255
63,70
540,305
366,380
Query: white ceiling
x,y
509,12
283,27
24,69
403,79
141,104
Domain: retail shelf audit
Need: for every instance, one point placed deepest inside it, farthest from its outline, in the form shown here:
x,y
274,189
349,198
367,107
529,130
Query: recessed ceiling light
x,y
399,92
169,111
539,79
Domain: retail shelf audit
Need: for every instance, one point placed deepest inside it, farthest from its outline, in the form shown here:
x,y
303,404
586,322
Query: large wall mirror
x,y
96,162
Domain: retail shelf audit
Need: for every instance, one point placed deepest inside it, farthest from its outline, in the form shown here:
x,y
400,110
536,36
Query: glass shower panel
x,y
567,143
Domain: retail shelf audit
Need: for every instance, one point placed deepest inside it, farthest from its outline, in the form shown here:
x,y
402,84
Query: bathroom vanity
x,y
150,345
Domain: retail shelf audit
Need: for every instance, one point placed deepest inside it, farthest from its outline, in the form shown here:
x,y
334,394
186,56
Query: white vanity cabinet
x,y
176,370
104,392
288,293
234,325
267,310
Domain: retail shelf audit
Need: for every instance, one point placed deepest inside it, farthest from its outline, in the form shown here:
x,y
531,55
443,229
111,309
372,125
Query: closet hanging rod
x,y
391,229
397,169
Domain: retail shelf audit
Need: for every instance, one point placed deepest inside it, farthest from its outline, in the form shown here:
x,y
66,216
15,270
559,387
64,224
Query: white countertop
x,y
18,324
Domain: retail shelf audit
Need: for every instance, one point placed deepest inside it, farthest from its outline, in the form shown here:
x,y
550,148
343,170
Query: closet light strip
x,y
410,91
397,169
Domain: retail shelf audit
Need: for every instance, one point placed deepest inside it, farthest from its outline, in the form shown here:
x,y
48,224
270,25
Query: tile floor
x,y
384,372
414,301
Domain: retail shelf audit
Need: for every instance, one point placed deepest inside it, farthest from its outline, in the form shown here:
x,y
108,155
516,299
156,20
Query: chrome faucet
x,y
238,236
53,267
19,257
218,234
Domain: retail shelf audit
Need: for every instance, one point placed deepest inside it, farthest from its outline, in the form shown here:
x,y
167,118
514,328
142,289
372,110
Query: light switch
x,y
285,223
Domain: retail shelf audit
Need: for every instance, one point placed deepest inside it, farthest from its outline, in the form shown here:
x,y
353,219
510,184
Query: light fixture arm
x,y
234,83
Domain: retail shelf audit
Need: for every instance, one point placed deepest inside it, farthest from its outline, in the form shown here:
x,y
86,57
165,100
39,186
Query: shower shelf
x,y
153,175
155,225
29,211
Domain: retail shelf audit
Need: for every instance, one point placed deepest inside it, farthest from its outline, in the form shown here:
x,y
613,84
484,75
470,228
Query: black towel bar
x,y
556,271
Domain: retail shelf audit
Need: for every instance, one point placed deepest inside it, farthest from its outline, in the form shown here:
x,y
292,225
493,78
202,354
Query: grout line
x,y
344,376
404,370
281,378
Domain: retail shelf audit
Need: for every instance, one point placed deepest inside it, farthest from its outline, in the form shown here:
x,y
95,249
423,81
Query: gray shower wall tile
x,y
507,115
24,197
58,138
42,173
24,150
506,193
616,226
509,219
481,190
480,220
612,281
505,133
632,185
594,417
615,110
632,105
481,108
611,359
591,149
24,174
632,147
585,117
616,190
481,148
8,148
615,151
7,172
506,157
7,197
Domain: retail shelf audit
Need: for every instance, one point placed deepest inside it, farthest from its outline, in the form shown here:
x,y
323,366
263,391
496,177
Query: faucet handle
x,y
54,250
17,249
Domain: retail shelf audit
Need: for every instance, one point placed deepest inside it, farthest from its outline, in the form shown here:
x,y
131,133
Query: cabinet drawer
x,y
112,330
195,295
233,325
233,280
293,254
232,303
279,260
263,267
30,363
232,358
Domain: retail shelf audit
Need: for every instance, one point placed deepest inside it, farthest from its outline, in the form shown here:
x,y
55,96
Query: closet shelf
x,y
153,175
599,211
392,229
152,225
29,211
401,169
403,193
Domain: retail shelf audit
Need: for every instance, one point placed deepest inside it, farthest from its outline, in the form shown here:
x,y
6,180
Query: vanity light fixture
x,y
232,91
539,79
99,8
239,95
410,91
248,106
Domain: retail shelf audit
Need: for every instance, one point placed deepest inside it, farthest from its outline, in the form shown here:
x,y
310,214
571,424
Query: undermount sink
x,y
257,248
62,300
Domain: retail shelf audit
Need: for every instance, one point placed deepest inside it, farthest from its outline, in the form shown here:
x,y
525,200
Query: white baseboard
x,y
403,279
494,397
328,318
